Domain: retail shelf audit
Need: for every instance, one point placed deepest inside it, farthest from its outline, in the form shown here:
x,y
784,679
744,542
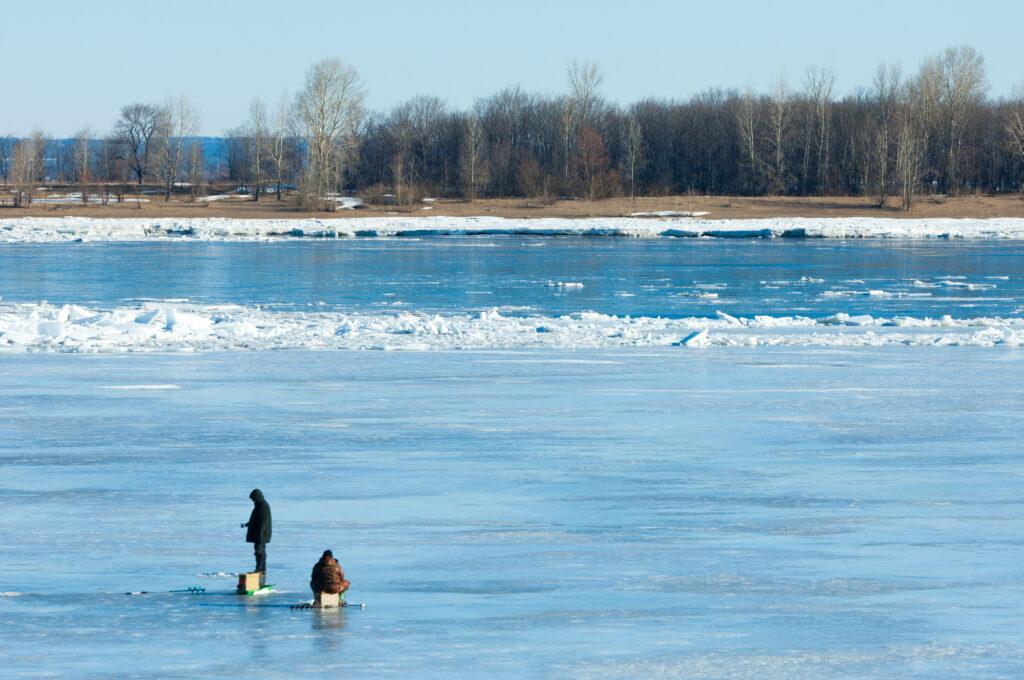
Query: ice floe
x,y
697,339
44,327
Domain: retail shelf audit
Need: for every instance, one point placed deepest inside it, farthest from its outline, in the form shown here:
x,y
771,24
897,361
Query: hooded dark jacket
x,y
327,576
258,530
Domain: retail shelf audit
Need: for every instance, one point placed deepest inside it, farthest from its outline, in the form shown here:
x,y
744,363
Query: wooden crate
x,y
249,581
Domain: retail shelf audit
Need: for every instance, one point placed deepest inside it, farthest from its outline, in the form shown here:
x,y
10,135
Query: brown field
x,y
718,207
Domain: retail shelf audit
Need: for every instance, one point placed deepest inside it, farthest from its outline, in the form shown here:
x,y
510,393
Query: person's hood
x,y
257,496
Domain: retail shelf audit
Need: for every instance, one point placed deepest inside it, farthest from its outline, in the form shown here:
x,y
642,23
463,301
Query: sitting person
x,y
327,577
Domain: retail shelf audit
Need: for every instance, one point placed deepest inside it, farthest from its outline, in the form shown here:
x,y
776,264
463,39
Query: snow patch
x,y
52,229
668,213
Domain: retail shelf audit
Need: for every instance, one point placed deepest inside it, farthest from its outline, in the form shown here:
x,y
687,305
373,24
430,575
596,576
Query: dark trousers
x,y
260,549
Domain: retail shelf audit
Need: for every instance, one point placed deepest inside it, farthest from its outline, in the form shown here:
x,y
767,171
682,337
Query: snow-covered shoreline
x,y
176,327
64,229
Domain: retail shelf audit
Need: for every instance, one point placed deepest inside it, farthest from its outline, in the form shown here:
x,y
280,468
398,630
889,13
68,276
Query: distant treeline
x,y
934,130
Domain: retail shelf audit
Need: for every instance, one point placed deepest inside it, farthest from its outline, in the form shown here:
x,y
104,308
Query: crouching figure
x,y
328,579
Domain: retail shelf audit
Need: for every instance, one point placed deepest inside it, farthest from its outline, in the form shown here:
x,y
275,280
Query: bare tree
x,y
963,88
416,143
584,80
779,115
530,177
108,164
196,169
911,140
900,135
818,86
593,162
399,177
472,154
746,119
401,174
182,119
60,160
116,166
713,142
1015,125
634,146
327,110
23,172
83,161
39,142
567,122
257,137
236,155
6,154
138,126
279,136
886,89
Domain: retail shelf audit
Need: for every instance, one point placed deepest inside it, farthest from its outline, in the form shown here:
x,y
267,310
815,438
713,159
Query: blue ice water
x,y
762,513
748,513
637,277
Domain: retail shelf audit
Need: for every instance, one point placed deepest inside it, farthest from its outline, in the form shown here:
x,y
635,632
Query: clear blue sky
x,y
68,64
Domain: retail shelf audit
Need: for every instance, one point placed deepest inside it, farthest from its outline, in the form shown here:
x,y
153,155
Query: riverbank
x,y
716,207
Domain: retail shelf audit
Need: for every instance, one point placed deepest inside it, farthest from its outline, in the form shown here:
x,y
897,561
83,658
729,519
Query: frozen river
x,y
507,292
617,512
738,513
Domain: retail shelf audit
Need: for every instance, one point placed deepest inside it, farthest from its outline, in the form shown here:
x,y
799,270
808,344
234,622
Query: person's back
x,y
327,576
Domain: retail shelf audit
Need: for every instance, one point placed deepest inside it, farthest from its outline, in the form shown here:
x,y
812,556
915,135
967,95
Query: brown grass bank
x,y
717,207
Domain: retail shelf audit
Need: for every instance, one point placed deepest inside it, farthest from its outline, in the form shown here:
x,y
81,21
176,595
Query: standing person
x,y
258,530
327,577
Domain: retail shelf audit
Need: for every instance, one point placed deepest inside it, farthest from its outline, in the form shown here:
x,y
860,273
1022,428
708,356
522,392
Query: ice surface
x,y
657,514
828,490
141,387
46,229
